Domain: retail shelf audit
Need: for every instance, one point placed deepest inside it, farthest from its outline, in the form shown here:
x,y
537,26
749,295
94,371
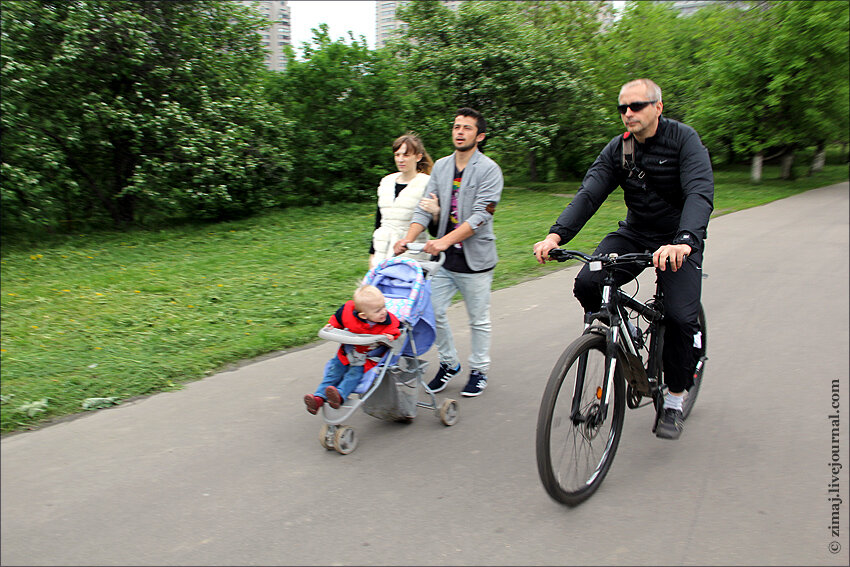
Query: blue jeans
x,y
343,376
475,289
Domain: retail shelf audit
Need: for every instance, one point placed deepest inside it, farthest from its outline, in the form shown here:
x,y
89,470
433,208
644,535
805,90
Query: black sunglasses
x,y
635,106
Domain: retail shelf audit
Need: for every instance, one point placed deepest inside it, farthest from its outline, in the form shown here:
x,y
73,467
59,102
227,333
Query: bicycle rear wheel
x,y
574,455
699,351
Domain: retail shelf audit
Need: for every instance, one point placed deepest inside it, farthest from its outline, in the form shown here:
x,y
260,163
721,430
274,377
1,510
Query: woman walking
x,y
398,195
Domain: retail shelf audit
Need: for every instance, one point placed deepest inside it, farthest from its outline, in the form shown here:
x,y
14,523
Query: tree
x,y
777,77
521,64
652,40
344,102
113,110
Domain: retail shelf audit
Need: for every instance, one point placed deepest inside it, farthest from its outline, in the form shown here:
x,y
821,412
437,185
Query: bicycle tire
x,y
563,448
691,398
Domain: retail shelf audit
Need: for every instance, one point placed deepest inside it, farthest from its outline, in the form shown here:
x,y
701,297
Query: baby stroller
x,y
390,390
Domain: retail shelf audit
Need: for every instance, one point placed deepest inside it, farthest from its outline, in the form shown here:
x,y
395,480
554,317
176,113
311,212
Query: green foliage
x,y
32,409
776,76
343,100
651,40
117,110
98,403
522,64
131,113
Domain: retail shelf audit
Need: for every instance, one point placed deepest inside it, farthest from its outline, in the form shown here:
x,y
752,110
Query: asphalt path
x,y
229,470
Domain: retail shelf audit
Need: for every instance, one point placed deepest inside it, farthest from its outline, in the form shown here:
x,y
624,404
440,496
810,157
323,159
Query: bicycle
x,y
579,424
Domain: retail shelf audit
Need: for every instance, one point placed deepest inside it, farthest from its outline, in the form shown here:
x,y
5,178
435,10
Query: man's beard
x,y
467,147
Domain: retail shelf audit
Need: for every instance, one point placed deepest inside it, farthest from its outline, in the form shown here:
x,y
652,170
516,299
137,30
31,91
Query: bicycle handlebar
x,y
640,258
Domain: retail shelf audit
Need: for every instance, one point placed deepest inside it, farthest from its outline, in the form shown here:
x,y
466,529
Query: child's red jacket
x,y
346,318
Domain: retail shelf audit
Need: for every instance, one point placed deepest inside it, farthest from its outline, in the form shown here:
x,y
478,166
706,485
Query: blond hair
x,y
366,294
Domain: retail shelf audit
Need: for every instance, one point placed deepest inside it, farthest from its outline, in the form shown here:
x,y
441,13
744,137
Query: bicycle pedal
x,y
655,421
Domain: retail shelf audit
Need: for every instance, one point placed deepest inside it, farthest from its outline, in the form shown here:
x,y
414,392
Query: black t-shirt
x,y
455,260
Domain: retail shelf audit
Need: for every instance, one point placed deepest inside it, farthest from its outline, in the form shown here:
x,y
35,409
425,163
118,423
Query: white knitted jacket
x,y
396,213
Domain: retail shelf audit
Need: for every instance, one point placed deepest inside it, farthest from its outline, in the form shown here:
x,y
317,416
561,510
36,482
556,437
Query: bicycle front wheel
x,y
574,452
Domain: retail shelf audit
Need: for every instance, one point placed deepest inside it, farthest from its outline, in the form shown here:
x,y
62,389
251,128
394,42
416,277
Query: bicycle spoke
x,y
576,454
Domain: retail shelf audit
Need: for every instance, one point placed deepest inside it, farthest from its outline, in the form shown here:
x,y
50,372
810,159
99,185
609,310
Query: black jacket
x,y
670,204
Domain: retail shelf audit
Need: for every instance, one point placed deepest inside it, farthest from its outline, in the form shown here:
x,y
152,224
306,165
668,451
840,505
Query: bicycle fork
x,y
603,395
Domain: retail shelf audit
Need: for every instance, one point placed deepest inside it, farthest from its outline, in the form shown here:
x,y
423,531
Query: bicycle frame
x,y
606,373
612,310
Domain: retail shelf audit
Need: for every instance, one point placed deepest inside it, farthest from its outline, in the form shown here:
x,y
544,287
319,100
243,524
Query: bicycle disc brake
x,y
592,423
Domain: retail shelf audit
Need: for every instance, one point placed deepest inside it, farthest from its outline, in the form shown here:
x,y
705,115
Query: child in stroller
x,y
389,390
367,314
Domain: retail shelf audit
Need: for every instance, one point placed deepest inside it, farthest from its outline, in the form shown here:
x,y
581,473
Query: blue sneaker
x,y
477,383
441,380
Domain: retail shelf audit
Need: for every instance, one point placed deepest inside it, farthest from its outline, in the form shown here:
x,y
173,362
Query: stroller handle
x,y
429,265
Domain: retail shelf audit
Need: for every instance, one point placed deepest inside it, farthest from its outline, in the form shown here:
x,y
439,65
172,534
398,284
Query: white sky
x,y
357,16
349,15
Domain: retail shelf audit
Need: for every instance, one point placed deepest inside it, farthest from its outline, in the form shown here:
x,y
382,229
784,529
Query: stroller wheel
x,y
326,436
449,412
345,440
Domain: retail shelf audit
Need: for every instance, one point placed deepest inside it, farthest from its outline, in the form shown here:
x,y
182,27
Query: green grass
x,y
120,315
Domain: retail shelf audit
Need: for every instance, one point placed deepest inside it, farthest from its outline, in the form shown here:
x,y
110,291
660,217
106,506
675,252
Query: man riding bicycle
x,y
668,185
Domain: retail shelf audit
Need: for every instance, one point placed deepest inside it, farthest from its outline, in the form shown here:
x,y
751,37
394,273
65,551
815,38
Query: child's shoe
x,y
313,403
334,397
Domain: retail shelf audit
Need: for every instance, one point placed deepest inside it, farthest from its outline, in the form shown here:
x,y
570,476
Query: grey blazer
x,y
480,191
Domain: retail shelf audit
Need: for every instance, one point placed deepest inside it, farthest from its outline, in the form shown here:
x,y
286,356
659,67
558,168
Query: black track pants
x,y
681,301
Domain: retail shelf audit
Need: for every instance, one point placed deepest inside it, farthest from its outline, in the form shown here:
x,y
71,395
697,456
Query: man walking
x,y
462,195
668,186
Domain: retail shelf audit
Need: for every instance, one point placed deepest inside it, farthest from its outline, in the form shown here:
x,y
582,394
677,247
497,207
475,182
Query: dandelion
x,y
36,256
34,326
220,285
136,291
98,293
98,348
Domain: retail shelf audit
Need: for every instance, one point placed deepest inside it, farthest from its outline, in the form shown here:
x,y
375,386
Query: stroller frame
x,y
334,435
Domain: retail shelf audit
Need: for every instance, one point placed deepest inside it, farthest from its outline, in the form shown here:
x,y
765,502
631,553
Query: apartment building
x,y
279,32
387,26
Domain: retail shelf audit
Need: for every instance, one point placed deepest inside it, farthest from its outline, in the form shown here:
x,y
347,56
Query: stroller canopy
x,y
408,296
